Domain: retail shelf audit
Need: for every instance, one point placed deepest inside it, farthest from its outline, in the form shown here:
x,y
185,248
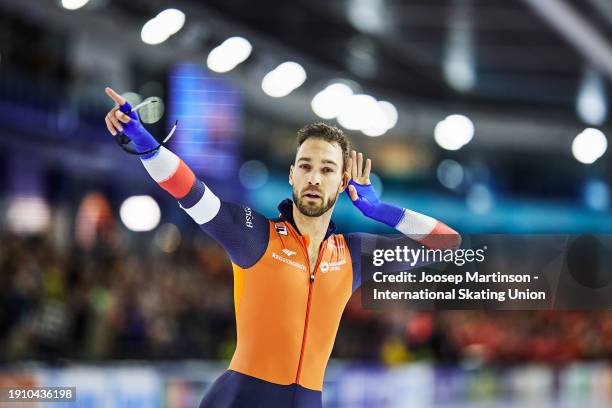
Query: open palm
x,y
359,174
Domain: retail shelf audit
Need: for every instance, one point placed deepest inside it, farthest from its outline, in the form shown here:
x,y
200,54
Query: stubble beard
x,y
314,209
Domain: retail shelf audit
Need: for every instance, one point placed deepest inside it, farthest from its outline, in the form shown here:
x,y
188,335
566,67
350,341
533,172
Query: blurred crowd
x,y
108,302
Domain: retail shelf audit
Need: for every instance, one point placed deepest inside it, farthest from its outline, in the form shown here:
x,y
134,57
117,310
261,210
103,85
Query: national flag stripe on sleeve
x,y
170,172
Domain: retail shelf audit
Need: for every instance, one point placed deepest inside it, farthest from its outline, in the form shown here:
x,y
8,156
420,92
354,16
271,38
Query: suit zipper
x,y
306,319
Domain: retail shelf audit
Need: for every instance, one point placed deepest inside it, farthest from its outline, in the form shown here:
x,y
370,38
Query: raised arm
x,y
242,231
422,228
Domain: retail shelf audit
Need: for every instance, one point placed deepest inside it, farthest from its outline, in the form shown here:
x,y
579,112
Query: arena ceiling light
x,y
140,213
73,4
390,112
159,29
591,103
229,54
377,122
380,118
363,112
283,80
354,114
459,70
327,103
454,132
589,146
458,64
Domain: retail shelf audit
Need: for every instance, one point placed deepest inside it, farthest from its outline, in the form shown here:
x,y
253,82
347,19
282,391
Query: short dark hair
x,y
328,133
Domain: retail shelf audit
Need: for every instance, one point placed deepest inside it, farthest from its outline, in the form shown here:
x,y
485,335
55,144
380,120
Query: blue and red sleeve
x,y
439,236
240,230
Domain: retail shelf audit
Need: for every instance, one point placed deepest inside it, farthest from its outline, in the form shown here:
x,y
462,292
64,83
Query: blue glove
x,y
143,140
370,205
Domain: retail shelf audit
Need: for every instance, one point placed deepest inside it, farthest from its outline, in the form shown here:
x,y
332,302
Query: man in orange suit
x,y
293,274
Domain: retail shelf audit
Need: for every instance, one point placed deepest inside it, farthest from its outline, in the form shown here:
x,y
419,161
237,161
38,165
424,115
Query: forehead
x,y
317,149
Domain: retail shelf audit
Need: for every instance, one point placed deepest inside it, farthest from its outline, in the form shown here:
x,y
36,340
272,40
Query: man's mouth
x,y
312,195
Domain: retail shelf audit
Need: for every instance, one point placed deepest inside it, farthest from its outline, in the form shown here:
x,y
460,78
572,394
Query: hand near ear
x,y
358,173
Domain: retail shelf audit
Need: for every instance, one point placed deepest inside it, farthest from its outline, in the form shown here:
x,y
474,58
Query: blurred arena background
x,y
490,115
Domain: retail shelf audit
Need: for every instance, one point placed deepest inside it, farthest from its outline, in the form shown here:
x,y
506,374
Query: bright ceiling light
x,y
172,20
284,79
589,146
152,33
390,113
291,72
377,122
220,60
355,113
365,113
454,132
73,4
229,54
375,129
159,29
328,103
274,87
240,48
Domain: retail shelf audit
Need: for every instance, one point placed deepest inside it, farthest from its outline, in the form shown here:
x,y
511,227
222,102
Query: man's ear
x,y
291,175
345,180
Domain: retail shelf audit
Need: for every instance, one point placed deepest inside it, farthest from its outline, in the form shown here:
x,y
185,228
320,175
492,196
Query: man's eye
x,y
327,170
304,166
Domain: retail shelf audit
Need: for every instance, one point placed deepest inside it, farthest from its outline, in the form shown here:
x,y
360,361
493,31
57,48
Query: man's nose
x,y
314,178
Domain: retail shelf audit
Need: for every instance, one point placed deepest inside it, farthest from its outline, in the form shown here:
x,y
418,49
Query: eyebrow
x,y
308,159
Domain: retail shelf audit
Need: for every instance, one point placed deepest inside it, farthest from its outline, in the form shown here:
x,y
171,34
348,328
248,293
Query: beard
x,y
313,209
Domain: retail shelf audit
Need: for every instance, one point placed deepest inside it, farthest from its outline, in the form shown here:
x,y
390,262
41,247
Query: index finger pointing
x,y
119,100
